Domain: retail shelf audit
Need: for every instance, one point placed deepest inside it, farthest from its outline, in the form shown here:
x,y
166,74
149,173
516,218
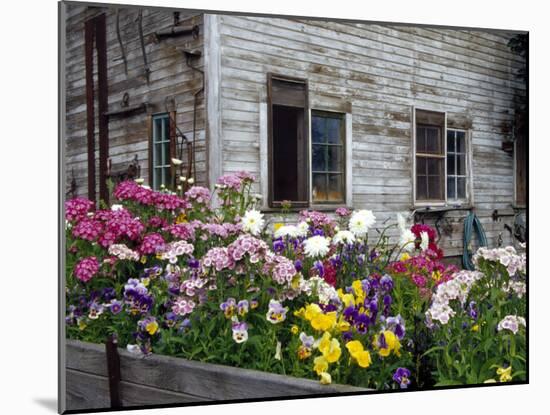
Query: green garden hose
x,y
472,222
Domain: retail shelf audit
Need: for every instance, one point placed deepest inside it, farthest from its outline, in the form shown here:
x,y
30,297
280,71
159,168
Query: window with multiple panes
x,y
457,157
161,149
441,160
327,157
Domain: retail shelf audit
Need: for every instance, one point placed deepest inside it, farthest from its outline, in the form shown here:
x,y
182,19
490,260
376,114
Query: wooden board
x,y
159,379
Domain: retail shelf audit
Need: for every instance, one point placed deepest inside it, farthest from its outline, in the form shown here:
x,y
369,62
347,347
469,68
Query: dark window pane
x,y
157,157
287,122
157,129
461,187
420,139
165,154
451,188
421,187
460,142
450,141
319,190
451,164
421,165
433,140
335,187
435,188
318,158
318,129
461,165
333,130
335,158
435,166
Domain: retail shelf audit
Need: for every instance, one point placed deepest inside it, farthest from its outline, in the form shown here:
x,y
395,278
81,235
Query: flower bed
x,y
318,297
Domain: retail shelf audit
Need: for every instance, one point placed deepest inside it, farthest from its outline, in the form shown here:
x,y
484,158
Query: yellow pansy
x,y
363,358
343,325
296,280
392,344
354,347
145,281
475,327
505,374
181,218
82,324
330,348
324,322
300,313
348,300
143,259
294,329
405,256
357,288
325,379
311,311
152,327
320,365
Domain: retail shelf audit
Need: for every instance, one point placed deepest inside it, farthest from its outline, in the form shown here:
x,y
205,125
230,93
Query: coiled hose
x,y
471,222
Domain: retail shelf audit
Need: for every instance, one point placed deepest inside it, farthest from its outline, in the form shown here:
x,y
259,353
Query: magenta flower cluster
x,y
151,244
77,209
86,268
130,190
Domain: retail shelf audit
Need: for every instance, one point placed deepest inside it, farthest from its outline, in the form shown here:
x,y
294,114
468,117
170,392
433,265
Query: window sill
x,y
318,208
440,208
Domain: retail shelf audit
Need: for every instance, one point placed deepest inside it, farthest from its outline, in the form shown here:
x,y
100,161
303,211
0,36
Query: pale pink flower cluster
x,y
183,306
282,269
457,288
218,258
247,244
511,323
506,256
191,285
519,288
122,252
198,194
235,181
176,249
222,230
317,219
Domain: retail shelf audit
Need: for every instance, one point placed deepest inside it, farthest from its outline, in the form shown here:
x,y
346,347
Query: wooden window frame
x,y
519,204
343,118
172,146
438,202
469,199
306,135
468,202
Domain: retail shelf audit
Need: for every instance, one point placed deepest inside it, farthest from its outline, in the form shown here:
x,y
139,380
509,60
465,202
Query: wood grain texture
x,y
172,380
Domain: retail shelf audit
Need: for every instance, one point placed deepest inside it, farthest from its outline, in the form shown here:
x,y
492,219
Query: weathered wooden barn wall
x,y
170,78
382,71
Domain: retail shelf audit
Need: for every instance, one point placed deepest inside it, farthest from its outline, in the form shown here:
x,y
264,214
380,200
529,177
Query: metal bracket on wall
x,y
119,38
146,68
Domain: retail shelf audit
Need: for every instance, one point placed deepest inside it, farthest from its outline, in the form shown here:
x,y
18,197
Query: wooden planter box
x,y
157,379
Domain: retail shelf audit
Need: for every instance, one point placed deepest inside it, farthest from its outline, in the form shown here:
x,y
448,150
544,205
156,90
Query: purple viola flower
x,y
115,306
276,312
240,331
361,323
397,325
170,319
386,282
318,265
347,336
350,313
193,263
307,341
318,232
278,245
387,304
373,307
242,307
298,265
472,310
95,311
108,294
336,261
228,307
402,377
